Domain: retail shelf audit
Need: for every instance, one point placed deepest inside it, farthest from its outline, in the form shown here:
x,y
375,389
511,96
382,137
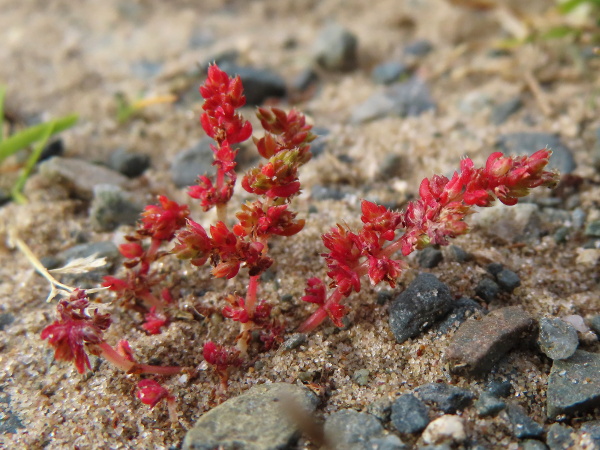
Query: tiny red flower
x,y
154,321
131,250
75,328
220,356
151,393
162,221
315,291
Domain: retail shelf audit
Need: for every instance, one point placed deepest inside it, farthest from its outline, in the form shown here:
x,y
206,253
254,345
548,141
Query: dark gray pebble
x,y
499,388
495,268
446,397
5,320
9,421
130,164
389,72
595,324
304,80
593,229
504,110
192,162
320,192
559,437
557,339
456,253
409,98
592,430
409,414
523,426
335,48
574,385
532,444
259,84
429,257
352,430
462,309
294,341
487,289
420,47
111,207
417,308
508,280
489,405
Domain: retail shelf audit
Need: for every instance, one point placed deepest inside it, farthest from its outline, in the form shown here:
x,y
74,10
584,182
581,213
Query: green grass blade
x,y
2,94
32,134
47,131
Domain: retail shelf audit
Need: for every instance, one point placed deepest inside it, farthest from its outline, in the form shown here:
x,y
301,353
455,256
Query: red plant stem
x,y
250,302
152,301
120,361
336,296
221,207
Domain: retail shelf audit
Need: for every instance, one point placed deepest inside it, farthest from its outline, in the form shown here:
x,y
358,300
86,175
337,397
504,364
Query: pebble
x,y
304,80
5,320
234,424
487,289
518,223
578,217
494,268
389,72
294,341
389,442
592,229
595,324
381,408
479,344
9,421
573,385
532,444
192,162
457,254
499,388
361,377
111,207
54,148
347,429
392,165
590,432
418,307
335,48
530,142
429,257
130,164
320,192
462,309
508,280
559,437
445,429
501,112
409,414
489,405
557,339
445,397
79,176
409,98
419,47
103,249
319,145
259,84
523,426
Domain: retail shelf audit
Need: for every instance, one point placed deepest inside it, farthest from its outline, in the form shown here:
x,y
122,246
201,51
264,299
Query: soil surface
x,y
75,57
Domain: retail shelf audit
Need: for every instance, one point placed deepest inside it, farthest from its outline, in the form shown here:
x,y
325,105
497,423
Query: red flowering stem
x,y
120,361
251,295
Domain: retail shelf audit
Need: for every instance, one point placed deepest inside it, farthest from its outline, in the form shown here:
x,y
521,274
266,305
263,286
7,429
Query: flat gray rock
x,y
557,339
479,344
255,420
574,385
79,176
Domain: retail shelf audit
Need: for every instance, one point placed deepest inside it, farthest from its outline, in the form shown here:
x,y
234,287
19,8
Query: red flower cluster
x,y
435,217
74,329
151,393
222,96
161,222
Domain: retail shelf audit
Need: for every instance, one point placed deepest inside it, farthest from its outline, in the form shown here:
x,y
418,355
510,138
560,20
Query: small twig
x,y
537,92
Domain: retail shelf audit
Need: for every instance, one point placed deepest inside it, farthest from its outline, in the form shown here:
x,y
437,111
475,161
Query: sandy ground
x,y
75,56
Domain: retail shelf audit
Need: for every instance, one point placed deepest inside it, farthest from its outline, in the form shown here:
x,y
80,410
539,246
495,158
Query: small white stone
x,y
445,429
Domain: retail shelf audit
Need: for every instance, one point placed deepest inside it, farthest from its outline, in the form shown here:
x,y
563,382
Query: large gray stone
x,y
574,385
255,420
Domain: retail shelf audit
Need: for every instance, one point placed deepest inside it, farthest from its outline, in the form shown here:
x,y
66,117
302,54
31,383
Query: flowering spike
x,y
162,221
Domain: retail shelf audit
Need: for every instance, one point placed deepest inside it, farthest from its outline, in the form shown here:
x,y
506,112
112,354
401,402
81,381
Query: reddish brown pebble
x,y
480,343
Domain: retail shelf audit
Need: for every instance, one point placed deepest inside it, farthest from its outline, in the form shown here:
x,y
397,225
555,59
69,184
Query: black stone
x,y
487,289
446,397
259,84
417,308
489,405
462,309
523,426
409,414
429,257
508,280
130,164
